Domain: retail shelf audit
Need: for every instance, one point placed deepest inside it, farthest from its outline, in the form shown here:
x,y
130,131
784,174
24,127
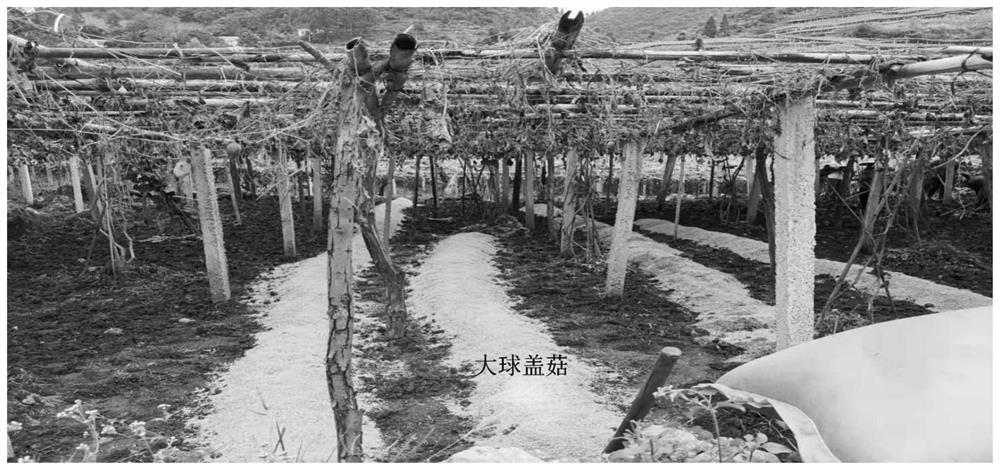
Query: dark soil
x,y
952,251
850,310
624,335
63,311
412,415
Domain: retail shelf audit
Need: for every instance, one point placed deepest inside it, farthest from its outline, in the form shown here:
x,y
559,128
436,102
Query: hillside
x,y
265,26
639,25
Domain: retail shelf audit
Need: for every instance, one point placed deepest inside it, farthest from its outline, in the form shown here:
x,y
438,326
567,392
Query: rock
x,y
493,454
114,331
185,320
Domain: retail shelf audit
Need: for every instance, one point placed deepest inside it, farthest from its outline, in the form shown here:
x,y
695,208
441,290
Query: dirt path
x,y
935,297
552,417
281,381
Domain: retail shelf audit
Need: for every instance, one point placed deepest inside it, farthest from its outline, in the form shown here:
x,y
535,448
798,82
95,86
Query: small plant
x,y
101,430
658,443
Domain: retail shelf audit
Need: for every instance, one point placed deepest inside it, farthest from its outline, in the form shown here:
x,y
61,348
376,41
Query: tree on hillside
x,y
113,19
710,30
724,28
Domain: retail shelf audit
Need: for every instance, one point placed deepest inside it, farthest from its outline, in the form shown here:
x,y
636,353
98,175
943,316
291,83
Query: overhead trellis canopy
x,y
190,94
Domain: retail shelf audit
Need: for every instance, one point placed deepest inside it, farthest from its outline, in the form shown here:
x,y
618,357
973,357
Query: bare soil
x,y
415,423
950,250
850,309
624,335
61,310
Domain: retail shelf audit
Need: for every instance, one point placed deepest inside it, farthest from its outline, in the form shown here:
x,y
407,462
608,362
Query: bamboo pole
x,y
203,55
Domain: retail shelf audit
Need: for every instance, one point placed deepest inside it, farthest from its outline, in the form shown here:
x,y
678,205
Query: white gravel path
x,y
935,297
726,311
282,379
552,417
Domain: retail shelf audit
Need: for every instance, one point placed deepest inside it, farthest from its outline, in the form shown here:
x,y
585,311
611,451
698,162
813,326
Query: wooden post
x,y
49,179
387,226
795,221
418,183
233,180
233,152
644,400
949,182
317,184
74,174
434,194
680,197
25,173
515,193
749,169
915,190
569,204
624,216
529,192
550,211
92,190
609,187
285,204
986,155
766,190
711,179
753,202
817,188
211,226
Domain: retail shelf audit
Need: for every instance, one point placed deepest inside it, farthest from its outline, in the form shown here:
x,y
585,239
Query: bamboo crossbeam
x,y
983,51
271,56
177,73
98,84
962,63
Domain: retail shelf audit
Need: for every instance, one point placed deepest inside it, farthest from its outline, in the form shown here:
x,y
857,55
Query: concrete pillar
x,y
74,175
949,182
317,192
25,173
211,225
182,172
624,217
795,221
285,204
504,183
